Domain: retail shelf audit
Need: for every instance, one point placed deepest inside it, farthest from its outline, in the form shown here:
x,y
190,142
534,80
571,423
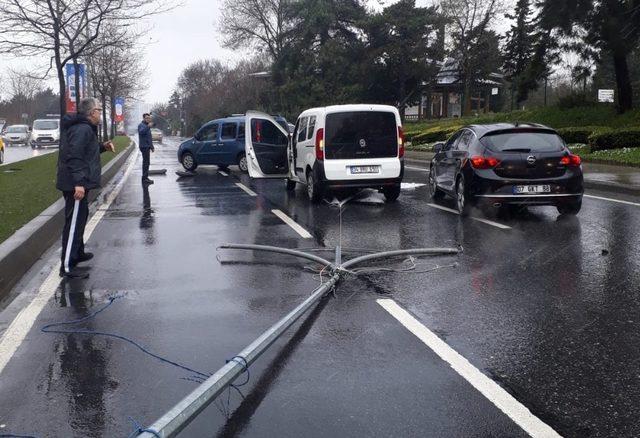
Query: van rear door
x,y
360,135
266,146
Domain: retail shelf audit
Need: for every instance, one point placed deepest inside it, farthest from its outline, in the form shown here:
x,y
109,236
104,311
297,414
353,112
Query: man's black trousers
x,y
76,214
146,156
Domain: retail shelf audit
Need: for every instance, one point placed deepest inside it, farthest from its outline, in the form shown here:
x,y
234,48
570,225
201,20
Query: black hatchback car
x,y
505,165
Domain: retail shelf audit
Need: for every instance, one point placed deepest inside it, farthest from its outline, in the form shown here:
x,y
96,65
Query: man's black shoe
x,y
147,181
85,257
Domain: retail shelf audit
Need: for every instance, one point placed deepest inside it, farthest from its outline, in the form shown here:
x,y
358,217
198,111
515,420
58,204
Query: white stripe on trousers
x,y
72,232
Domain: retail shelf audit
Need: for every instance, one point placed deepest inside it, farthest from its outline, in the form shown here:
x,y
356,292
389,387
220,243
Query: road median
x,y
26,245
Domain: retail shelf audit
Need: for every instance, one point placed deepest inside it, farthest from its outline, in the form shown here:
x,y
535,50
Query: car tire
x,y
462,198
242,163
434,191
188,162
570,208
314,190
391,193
290,184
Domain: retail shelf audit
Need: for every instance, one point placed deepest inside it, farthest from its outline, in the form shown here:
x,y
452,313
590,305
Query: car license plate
x,y
518,190
364,169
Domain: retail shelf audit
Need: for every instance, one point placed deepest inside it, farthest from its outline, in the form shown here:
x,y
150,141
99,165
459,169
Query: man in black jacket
x,y
145,144
79,170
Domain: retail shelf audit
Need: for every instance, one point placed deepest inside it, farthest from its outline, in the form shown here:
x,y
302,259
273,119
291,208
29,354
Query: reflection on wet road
x,y
545,306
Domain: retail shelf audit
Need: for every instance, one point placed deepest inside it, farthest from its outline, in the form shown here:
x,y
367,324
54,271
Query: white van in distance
x,y
45,132
334,147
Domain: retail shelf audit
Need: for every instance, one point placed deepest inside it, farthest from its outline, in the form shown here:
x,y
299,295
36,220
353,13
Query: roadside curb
x,y
21,250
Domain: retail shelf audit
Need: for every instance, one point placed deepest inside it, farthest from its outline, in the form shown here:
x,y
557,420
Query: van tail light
x,y
571,160
320,144
400,142
484,162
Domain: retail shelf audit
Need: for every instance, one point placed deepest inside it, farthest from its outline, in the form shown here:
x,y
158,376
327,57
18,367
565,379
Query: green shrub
x,y
578,134
575,100
607,138
436,133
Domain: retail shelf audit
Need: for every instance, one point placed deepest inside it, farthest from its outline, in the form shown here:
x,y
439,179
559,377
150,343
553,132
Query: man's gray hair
x,y
87,105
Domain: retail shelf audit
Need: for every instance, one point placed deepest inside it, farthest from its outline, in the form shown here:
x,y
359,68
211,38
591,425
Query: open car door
x,y
266,146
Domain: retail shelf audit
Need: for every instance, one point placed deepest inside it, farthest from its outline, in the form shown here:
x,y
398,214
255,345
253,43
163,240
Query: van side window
x,y
228,131
302,130
312,127
208,133
241,131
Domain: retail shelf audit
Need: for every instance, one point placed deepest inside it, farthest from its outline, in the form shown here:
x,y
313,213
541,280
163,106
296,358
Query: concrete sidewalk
x,y
619,179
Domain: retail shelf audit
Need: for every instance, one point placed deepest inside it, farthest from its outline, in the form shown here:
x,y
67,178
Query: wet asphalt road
x,y
19,153
548,308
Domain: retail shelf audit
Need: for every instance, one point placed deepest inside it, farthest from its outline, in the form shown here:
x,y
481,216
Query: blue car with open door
x,y
220,142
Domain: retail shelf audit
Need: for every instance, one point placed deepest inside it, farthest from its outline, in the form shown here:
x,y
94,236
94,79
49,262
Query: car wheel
x,y
462,198
570,208
434,191
188,162
314,191
391,193
290,184
242,163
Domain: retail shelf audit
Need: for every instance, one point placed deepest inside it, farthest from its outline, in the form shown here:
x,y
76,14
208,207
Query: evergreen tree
x,y
519,49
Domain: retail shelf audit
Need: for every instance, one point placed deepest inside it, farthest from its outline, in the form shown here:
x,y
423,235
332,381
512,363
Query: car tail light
x,y
484,162
320,144
400,142
571,160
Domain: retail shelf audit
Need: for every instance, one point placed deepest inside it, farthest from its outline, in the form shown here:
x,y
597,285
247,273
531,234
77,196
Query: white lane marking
x,y
484,221
21,325
297,228
417,168
612,200
223,173
246,189
504,401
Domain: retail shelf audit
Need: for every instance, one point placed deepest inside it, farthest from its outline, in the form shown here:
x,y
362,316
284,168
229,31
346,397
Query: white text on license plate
x,y
531,189
365,169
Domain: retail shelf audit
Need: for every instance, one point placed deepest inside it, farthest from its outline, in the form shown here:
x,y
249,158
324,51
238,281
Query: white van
x,y
45,132
335,147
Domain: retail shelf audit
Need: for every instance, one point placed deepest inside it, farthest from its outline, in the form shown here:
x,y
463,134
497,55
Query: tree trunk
x,y
105,133
112,105
623,82
76,71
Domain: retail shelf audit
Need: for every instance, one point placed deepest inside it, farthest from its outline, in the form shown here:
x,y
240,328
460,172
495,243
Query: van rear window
x,y
361,134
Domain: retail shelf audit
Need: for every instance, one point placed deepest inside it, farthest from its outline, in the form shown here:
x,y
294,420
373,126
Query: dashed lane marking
x,y
297,228
420,169
223,173
21,325
484,221
246,189
612,200
504,401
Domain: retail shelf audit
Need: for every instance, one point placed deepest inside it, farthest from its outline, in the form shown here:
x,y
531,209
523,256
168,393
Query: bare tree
x,y
261,24
471,35
66,30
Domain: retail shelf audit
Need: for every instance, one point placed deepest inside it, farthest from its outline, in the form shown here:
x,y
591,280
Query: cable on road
x,y
11,435
141,429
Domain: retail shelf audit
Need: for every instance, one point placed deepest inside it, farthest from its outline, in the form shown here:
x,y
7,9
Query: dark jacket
x,y
79,157
145,140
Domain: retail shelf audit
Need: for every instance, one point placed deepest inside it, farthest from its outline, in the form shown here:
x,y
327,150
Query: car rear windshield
x,y
523,141
45,125
361,134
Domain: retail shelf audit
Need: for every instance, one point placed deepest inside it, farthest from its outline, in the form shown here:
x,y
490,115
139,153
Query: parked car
x,y
507,165
45,132
335,147
220,142
16,134
1,151
156,135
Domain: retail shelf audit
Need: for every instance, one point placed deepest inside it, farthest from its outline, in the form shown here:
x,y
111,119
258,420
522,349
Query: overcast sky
x,y
176,39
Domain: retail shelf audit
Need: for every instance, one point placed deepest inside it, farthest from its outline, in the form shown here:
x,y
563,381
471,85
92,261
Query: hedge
x,y
607,138
434,134
578,134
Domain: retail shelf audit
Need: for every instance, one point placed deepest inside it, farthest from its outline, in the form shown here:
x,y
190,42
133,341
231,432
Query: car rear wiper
x,y
517,150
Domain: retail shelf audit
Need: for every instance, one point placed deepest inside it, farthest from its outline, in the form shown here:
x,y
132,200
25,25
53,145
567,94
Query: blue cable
x,y
48,329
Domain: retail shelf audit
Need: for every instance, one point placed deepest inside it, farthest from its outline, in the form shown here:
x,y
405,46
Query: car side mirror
x,y
438,147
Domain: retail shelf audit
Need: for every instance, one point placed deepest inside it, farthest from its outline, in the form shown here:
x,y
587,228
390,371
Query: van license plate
x,y
518,190
364,169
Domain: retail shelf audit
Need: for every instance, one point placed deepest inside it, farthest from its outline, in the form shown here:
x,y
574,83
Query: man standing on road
x,y
79,170
145,143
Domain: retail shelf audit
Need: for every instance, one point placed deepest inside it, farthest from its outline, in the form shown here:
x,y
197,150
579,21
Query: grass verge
x,y
28,187
624,156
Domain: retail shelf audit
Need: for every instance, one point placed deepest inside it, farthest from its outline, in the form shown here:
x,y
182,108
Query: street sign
x,y
119,109
605,95
494,91
71,85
